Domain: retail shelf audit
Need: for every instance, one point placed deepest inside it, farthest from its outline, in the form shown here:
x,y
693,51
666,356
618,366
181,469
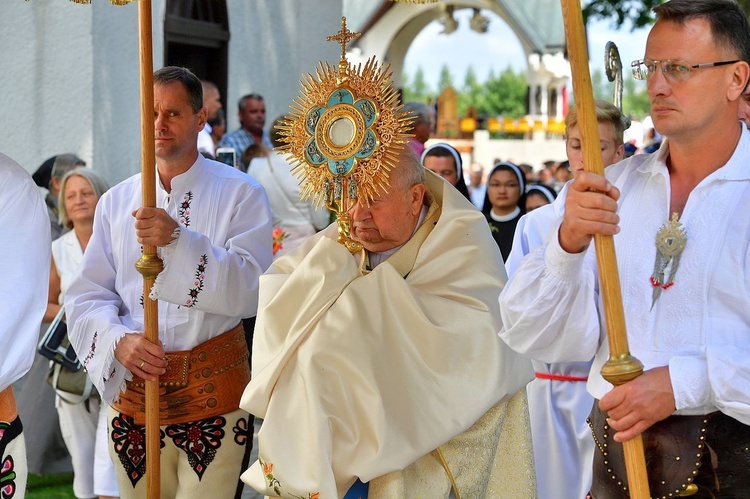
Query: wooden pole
x,y
621,366
149,264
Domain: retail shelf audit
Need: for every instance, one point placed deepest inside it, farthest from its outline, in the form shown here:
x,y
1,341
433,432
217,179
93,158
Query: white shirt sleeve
x,y
548,307
25,247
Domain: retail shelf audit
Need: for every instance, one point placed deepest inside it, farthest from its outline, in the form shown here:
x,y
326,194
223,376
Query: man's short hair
x,y
97,183
410,169
420,110
172,74
208,85
729,25
63,164
605,113
245,98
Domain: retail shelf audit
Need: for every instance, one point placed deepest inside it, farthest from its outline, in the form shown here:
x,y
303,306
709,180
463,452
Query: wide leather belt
x,y
8,411
200,383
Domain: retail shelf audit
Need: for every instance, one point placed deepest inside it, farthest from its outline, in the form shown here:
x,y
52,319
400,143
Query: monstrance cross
x,y
344,36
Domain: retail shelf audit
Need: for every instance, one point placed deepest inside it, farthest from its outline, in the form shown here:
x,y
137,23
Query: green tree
x,y
417,90
637,13
602,89
635,98
445,79
471,94
504,95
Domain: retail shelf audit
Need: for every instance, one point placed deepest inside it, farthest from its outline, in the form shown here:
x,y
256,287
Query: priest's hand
x,y
636,405
140,356
154,226
590,208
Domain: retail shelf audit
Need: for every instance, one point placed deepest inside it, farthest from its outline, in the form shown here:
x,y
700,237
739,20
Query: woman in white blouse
x,y
83,425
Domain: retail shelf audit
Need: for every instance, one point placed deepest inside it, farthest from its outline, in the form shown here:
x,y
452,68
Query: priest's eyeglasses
x,y
673,69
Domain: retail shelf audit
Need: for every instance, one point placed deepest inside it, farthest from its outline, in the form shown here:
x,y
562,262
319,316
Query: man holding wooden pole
x,y
679,220
212,226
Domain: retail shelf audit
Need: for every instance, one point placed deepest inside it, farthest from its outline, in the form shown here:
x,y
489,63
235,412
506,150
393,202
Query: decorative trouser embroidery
x,y
13,466
130,446
198,458
199,440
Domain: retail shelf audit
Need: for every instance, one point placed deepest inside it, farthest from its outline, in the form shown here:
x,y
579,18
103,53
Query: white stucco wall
x,y
273,43
70,72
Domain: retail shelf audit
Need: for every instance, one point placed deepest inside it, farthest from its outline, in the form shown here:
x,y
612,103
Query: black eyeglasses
x,y
673,69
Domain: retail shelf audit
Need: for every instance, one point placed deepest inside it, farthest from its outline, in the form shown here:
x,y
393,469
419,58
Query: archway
x,y
389,31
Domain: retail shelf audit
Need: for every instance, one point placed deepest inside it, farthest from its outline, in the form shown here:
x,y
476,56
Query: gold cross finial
x,y
343,37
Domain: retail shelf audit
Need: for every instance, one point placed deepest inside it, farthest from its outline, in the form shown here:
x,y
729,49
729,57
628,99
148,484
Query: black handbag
x,y
55,346
66,375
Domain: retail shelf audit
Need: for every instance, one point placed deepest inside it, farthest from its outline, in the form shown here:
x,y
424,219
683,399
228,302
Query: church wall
x,y
273,43
70,73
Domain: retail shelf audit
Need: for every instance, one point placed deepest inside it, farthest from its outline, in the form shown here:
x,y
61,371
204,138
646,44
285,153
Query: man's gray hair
x,y
420,110
409,170
64,163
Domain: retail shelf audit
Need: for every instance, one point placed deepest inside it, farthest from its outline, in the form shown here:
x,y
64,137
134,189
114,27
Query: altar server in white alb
x,y
679,221
212,225
558,401
25,246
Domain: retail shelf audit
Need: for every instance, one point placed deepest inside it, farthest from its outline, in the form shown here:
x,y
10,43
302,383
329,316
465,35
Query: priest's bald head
x,y
390,219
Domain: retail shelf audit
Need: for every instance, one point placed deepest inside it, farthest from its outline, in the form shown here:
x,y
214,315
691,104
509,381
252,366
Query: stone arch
x,y
389,31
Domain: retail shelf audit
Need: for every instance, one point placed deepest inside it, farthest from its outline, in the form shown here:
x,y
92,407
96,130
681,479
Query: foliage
x,y
445,79
637,13
505,95
472,93
417,90
635,98
600,87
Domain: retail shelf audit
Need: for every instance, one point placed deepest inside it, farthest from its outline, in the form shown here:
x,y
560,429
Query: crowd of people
x,y
456,354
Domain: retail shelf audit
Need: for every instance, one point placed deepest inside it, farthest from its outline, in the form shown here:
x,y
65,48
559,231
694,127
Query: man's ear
x,y
739,81
202,118
620,153
416,193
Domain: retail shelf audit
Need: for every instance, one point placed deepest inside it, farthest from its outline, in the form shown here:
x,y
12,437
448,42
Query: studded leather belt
x,y
200,383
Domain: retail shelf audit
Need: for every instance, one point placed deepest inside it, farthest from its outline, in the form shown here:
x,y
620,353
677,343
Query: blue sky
x,y
499,47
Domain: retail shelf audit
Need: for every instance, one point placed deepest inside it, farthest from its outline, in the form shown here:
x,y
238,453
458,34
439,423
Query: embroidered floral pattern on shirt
x,y
199,440
8,478
272,482
185,209
130,446
200,274
92,350
242,432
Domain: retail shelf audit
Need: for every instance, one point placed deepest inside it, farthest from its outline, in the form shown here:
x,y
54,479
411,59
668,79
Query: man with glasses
x,y
683,243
